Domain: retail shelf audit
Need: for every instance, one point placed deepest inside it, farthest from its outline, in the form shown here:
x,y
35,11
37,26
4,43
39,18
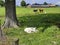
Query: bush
x,y
23,3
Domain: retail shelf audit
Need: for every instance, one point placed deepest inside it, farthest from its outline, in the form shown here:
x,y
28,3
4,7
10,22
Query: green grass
x,y
20,11
46,24
27,11
48,31
2,11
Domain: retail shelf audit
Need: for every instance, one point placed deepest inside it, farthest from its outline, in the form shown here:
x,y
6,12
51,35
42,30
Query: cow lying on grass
x,y
30,29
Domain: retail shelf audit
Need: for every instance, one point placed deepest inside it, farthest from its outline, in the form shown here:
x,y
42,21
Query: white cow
x,y
30,30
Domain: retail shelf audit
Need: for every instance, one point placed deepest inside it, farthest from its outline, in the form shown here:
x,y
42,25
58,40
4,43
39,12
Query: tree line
x,y
23,3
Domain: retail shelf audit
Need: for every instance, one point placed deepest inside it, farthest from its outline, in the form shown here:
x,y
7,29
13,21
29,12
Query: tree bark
x,y
11,19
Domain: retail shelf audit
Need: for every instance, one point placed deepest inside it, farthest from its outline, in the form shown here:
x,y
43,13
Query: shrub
x,y
23,3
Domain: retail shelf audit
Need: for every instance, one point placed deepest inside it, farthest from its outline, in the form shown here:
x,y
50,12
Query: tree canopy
x,y
23,3
2,3
45,3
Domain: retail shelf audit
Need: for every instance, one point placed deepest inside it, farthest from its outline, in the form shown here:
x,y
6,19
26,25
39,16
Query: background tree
x,y
2,3
45,3
23,3
10,10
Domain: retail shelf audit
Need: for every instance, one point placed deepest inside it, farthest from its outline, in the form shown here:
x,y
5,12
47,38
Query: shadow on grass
x,y
40,20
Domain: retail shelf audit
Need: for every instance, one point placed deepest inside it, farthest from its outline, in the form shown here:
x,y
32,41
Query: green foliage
x,y
45,3
39,20
2,3
23,3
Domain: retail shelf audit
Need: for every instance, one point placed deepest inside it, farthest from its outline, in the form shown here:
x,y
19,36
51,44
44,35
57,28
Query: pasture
x,y
20,11
48,26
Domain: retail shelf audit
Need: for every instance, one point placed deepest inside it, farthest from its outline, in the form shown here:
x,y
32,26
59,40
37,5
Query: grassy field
x,y
20,11
48,26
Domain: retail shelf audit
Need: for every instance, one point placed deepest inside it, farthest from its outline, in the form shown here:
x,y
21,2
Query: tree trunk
x,y
11,19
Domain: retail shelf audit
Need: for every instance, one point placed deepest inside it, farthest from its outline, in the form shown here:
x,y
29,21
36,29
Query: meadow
x,y
48,26
20,11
